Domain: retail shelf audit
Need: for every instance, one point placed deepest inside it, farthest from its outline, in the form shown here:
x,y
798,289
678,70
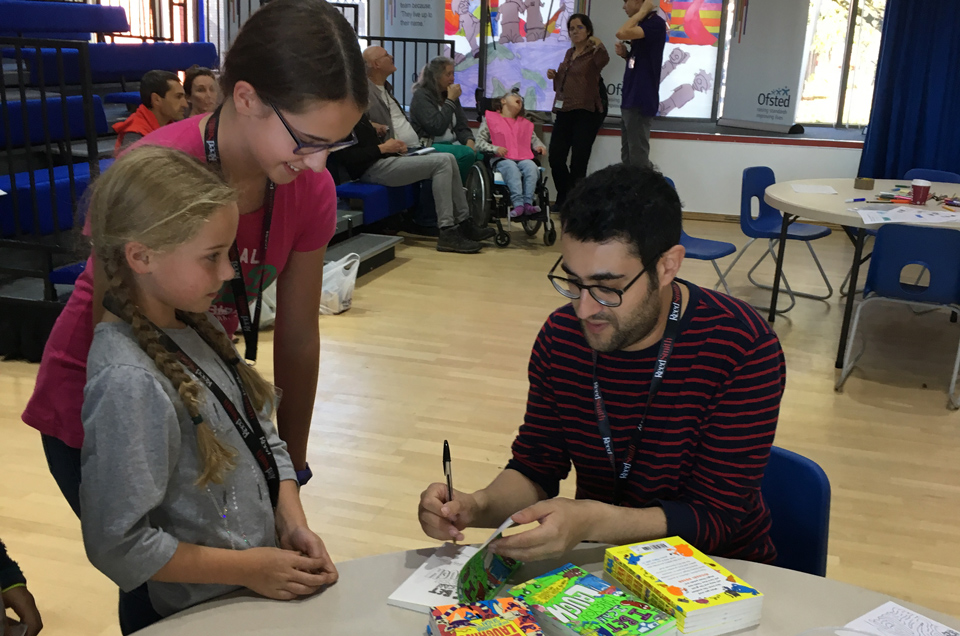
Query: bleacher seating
x,y
46,198
45,119
110,62
60,20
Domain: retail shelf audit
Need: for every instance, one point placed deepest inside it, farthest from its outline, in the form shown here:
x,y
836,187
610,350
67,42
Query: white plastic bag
x,y
339,279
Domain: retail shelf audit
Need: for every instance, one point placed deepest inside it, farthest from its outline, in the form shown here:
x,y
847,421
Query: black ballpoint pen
x,y
447,470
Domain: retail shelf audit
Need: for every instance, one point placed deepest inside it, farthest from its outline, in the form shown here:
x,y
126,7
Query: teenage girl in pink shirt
x,y
295,86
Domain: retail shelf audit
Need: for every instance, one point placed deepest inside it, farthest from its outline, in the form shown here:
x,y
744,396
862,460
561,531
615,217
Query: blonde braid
x,y
262,394
218,458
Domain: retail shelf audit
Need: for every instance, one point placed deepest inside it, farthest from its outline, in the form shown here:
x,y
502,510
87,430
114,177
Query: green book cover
x,y
570,601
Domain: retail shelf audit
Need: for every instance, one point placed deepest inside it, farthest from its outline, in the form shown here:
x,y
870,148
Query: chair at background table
x,y
797,492
706,249
940,176
767,225
897,246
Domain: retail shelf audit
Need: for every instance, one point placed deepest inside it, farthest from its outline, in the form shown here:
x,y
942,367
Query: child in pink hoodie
x,y
510,136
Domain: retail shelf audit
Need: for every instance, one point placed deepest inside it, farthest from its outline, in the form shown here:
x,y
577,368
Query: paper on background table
x,y
803,188
891,619
905,214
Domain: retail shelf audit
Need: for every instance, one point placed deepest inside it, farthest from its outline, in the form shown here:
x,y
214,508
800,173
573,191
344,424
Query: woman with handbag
x,y
580,104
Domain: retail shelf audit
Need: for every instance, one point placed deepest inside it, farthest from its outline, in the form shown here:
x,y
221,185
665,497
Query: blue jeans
x,y
521,179
135,609
64,464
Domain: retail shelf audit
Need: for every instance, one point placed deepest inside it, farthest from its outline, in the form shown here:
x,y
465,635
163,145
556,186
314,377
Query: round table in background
x,y
357,604
833,208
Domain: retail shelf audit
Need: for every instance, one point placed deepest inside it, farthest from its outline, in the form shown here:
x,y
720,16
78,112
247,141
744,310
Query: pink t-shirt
x,y
304,220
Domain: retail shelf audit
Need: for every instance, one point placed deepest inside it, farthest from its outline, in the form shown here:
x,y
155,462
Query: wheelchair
x,y
489,200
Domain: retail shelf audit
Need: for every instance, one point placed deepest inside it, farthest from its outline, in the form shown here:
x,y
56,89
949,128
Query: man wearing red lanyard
x,y
664,396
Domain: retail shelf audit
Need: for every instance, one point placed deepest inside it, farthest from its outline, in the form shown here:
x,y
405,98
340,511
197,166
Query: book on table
x,y
498,617
456,573
704,597
569,601
435,582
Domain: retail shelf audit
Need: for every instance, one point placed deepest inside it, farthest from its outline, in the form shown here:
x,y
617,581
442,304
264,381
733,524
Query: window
x,y
841,61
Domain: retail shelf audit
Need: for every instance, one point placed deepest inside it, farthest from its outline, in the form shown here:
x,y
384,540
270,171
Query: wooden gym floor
x,y
436,347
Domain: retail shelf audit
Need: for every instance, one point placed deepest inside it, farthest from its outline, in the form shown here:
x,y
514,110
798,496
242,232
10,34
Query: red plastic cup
x,y
921,191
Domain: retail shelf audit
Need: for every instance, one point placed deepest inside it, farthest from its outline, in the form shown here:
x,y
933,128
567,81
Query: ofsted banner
x,y
765,64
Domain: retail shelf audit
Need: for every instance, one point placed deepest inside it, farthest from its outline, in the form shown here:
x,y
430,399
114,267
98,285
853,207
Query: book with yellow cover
x,y
671,574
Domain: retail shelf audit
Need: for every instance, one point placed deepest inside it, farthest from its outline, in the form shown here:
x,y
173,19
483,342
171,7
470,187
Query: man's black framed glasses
x,y
309,148
606,296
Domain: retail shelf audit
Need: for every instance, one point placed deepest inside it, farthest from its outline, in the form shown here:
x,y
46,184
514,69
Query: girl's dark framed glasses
x,y
606,296
309,148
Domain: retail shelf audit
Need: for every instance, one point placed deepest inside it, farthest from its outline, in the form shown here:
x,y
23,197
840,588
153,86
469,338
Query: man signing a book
x,y
663,395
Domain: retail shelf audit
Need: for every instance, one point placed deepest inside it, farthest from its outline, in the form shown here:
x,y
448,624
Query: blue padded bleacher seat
x,y
110,62
54,110
48,35
129,97
63,20
380,201
68,274
61,175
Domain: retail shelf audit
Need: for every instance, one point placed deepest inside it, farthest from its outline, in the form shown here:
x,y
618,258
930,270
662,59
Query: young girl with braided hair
x,y
185,483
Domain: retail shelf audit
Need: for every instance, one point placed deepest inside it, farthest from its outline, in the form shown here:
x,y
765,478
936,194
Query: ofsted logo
x,y
779,98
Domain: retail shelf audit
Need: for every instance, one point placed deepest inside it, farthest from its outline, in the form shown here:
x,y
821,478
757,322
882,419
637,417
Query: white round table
x,y
833,208
357,604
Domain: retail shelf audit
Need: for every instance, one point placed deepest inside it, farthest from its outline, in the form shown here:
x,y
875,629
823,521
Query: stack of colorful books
x,y
705,598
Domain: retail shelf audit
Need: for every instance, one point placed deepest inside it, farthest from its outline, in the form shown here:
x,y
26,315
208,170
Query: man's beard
x,y
637,327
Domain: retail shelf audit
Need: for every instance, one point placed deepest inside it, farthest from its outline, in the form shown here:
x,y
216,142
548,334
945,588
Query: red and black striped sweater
x,y
707,437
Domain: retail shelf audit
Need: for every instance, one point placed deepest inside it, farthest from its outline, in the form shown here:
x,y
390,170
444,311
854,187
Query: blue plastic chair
x,y
935,249
767,225
797,492
932,175
706,249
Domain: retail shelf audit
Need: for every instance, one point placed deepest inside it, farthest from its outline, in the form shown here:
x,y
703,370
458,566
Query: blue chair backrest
x,y
797,492
936,249
933,175
755,182
683,234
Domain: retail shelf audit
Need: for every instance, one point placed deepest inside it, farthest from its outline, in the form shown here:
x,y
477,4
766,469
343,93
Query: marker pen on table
x,y
854,200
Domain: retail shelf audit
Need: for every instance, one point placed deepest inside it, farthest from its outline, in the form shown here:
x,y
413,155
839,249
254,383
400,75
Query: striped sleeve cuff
x,y
550,485
681,520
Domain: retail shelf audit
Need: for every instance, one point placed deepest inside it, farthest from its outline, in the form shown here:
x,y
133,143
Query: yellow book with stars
x,y
672,575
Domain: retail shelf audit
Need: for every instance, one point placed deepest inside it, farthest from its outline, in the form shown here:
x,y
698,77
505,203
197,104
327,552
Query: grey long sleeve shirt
x,y
140,464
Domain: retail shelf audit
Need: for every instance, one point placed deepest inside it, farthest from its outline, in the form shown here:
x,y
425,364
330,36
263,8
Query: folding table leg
x,y
787,220
848,310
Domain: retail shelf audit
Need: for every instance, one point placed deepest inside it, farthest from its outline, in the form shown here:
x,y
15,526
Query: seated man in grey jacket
x,y
379,157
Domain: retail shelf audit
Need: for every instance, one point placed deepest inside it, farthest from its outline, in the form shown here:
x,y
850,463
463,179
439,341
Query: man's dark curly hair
x,y
635,205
